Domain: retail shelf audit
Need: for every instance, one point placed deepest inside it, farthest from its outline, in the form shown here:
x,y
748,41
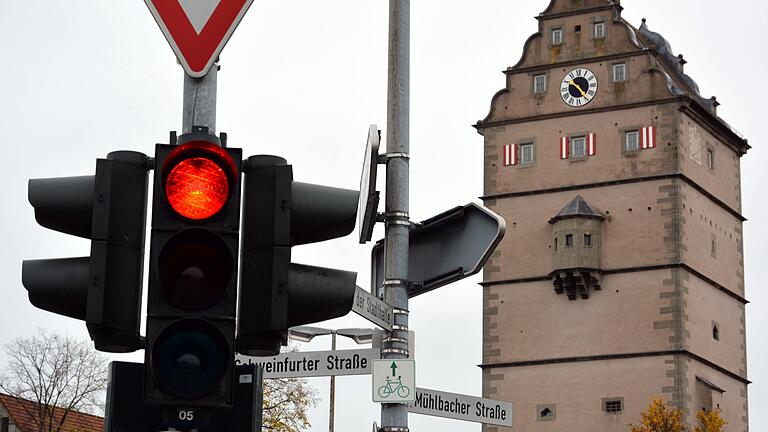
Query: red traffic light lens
x,y
197,188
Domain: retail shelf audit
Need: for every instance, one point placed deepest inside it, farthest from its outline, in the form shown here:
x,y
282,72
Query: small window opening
x,y
619,72
577,29
632,141
555,243
712,247
715,332
546,412
599,30
526,153
539,83
568,240
613,406
578,147
587,240
557,36
710,159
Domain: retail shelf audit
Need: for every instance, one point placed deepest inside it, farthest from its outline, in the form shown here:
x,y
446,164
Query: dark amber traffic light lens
x,y
196,269
190,358
197,188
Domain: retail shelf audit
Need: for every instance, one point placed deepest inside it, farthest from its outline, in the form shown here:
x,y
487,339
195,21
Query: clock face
x,y
579,87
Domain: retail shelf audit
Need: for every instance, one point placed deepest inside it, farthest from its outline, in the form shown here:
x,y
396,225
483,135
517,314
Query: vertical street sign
x,y
197,30
394,381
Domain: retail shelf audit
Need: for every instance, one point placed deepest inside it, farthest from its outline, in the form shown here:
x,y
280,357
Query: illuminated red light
x,y
197,188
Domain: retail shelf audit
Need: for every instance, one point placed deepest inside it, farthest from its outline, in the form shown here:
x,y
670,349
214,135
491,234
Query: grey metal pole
x,y
333,387
394,417
200,101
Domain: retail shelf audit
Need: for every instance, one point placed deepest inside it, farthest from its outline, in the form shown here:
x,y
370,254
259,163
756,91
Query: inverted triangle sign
x,y
198,29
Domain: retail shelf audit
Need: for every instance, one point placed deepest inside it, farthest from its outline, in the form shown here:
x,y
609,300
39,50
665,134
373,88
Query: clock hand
x,y
573,83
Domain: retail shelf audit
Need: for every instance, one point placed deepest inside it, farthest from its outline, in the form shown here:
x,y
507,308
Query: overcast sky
x,y
303,79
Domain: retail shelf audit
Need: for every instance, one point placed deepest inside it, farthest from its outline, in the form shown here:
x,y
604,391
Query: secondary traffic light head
x,y
276,294
104,290
193,277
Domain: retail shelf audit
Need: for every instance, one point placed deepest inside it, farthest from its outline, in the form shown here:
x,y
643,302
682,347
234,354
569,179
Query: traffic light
x,y
192,278
276,294
104,289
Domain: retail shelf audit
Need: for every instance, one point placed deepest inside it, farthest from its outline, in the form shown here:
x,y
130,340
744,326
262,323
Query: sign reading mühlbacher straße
x,y
314,363
461,407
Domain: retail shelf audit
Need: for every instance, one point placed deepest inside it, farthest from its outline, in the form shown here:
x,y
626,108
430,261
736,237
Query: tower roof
x,y
577,208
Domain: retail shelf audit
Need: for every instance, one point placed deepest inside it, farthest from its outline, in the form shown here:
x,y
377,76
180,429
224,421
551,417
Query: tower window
x,y
569,240
712,247
577,29
613,406
557,36
526,153
555,243
632,141
710,159
587,240
619,72
578,147
539,83
599,30
715,332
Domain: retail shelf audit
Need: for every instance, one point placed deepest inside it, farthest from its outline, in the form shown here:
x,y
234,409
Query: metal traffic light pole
x,y
200,101
394,417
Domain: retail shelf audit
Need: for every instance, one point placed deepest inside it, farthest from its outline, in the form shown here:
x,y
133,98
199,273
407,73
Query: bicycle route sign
x,y
394,381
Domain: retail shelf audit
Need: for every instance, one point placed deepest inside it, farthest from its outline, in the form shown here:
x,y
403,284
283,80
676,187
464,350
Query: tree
x,y
286,403
660,418
58,373
710,420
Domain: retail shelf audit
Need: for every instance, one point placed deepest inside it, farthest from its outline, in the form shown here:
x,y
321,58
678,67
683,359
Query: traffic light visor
x,y
198,179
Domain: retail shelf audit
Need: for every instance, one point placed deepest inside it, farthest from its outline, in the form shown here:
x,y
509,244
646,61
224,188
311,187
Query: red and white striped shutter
x,y
592,144
649,137
510,154
564,141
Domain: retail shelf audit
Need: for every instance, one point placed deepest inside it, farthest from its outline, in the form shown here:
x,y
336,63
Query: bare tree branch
x,y
59,374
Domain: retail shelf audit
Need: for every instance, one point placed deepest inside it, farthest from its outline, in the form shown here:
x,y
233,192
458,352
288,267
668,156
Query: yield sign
x,y
198,29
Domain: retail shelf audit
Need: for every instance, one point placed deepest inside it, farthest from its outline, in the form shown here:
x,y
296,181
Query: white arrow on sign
x,y
314,363
461,407
374,310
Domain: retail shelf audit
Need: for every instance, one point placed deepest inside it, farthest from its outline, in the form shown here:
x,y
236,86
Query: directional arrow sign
x,y
445,248
461,407
314,363
198,29
373,309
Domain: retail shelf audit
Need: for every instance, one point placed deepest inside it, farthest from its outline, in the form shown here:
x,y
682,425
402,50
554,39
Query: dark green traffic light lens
x,y
190,358
195,269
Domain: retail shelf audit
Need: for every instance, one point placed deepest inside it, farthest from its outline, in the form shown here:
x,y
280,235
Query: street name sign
x,y
461,407
373,309
445,248
394,381
313,363
197,30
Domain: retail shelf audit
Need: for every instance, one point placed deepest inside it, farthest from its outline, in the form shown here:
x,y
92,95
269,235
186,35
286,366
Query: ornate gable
x,y
557,7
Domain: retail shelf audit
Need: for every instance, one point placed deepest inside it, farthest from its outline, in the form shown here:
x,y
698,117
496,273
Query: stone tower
x,y
620,278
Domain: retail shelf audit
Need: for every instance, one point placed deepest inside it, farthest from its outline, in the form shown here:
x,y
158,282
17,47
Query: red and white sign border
x,y
185,45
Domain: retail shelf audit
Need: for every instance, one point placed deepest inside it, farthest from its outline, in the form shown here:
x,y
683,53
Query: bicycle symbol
x,y
386,390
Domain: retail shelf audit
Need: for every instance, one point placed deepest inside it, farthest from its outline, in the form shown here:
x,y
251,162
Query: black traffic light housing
x,y
192,292
276,294
104,290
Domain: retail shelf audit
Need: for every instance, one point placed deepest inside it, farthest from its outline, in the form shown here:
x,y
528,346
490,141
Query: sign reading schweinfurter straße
x,y
314,363
461,407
